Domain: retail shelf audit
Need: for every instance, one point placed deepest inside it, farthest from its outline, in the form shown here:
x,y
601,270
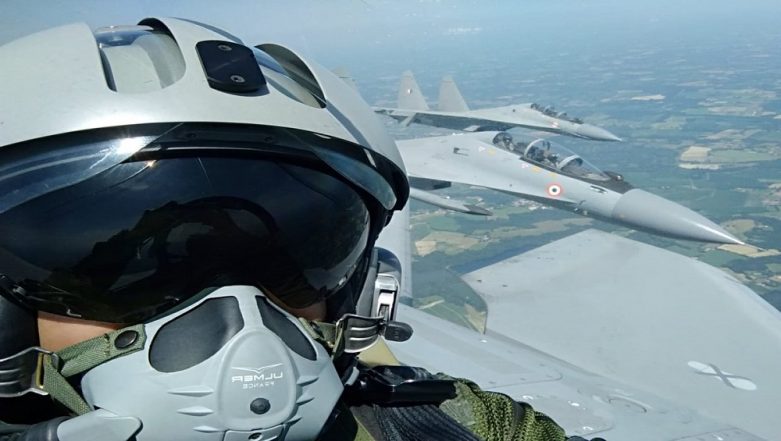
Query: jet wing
x,y
644,316
404,117
599,331
393,112
467,160
444,120
583,403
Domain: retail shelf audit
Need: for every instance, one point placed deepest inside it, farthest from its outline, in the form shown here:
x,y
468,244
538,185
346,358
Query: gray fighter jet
x,y
453,113
545,171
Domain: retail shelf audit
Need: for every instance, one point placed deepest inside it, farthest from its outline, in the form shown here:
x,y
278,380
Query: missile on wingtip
x,y
447,203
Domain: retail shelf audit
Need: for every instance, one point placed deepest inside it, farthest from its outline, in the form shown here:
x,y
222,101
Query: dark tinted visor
x,y
140,237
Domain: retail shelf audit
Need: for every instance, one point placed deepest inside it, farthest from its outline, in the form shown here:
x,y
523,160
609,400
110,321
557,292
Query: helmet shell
x,y
60,80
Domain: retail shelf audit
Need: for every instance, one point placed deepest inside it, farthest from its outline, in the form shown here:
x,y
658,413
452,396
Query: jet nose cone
x,y
598,133
646,211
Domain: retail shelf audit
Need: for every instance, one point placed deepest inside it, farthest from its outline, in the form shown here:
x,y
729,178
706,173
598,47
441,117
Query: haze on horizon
x,y
345,30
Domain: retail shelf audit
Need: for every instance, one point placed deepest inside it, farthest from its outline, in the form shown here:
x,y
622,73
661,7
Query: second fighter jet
x,y
453,113
546,172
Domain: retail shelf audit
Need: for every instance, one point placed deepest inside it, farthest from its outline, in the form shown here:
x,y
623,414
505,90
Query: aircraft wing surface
x,y
595,329
584,404
641,315
404,117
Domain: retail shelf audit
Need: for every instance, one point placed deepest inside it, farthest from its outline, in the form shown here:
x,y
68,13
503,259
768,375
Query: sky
x,y
349,30
373,38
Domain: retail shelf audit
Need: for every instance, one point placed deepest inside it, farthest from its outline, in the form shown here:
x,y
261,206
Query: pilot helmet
x,y
170,176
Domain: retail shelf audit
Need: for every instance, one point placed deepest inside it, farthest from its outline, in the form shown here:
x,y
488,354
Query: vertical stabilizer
x,y
410,97
450,99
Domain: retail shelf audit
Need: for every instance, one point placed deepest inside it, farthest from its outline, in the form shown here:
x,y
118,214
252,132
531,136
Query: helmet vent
x,y
138,59
296,69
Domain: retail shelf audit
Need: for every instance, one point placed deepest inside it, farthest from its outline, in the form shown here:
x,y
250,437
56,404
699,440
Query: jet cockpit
x,y
550,111
551,155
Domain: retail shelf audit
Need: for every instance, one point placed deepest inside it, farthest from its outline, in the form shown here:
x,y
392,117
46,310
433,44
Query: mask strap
x,y
54,369
324,333
353,334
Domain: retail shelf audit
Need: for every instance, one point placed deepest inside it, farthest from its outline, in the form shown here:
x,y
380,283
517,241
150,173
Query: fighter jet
x,y
546,172
453,113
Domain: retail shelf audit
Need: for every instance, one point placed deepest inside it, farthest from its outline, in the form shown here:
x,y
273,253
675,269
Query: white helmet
x,y
166,175
140,164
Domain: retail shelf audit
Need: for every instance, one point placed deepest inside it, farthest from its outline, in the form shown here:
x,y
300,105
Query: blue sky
x,y
376,38
328,27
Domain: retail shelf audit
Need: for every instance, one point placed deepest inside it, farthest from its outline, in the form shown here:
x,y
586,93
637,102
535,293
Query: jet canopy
x,y
550,111
551,155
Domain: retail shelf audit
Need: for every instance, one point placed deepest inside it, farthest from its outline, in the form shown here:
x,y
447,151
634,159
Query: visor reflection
x,y
137,239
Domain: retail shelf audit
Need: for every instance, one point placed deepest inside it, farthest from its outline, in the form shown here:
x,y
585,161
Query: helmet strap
x,y
46,373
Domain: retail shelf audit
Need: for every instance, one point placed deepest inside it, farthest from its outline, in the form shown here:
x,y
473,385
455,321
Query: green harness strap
x,y
82,357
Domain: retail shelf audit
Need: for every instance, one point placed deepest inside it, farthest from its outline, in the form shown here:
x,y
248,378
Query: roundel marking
x,y
555,190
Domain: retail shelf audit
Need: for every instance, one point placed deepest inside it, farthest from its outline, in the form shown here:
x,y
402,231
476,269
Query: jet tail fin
x,y
410,96
450,99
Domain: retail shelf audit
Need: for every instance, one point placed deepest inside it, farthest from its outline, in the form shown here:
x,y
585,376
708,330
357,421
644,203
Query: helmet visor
x,y
139,237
